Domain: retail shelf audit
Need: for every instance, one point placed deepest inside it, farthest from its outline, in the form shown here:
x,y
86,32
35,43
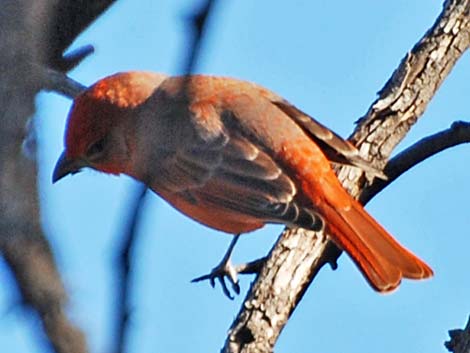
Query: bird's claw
x,y
220,273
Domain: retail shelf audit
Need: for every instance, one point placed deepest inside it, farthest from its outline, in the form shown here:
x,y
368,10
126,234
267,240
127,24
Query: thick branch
x,y
22,242
69,18
298,255
35,32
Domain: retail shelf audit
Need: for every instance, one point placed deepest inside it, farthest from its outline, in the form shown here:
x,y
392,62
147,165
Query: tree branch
x,y
130,230
35,32
458,133
459,340
59,82
299,254
67,19
22,242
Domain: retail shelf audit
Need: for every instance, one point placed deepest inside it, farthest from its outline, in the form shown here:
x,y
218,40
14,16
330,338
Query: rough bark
x,y
459,340
298,255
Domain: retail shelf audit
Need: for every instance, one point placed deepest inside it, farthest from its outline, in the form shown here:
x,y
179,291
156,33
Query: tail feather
x,y
382,260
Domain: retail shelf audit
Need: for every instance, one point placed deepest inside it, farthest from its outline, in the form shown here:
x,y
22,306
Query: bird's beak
x,y
65,166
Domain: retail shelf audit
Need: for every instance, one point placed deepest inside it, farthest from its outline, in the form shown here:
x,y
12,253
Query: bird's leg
x,y
224,269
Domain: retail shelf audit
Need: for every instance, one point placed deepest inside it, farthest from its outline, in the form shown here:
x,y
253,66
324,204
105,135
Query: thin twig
x,y
458,133
55,81
197,23
123,305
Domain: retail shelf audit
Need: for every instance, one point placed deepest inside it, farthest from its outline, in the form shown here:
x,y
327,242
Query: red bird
x,y
231,155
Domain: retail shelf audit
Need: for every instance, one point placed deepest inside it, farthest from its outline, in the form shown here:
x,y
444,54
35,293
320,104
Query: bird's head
x,y
98,134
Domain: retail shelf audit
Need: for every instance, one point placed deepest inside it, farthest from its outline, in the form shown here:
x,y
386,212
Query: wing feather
x,y
226,168
334,146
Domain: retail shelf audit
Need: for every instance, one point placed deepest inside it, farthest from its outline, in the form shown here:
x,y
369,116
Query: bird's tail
x,y
382,260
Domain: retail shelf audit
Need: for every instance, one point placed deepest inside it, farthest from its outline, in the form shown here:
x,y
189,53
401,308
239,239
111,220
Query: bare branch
x,y
130,228
35,32
197,25
68,19
22,242
458,133
31,261
277,290
459,340
59,82
74,58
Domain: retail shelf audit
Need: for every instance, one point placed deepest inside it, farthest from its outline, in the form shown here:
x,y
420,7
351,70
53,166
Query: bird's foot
x,y
223,271
226,270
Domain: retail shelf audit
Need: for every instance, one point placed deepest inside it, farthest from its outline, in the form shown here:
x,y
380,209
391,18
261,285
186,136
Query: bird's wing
x,y
334,146
227,169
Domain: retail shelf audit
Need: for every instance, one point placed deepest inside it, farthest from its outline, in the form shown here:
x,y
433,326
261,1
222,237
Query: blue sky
x,y
329,59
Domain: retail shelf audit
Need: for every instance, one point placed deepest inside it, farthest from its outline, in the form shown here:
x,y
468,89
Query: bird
x,y
234,156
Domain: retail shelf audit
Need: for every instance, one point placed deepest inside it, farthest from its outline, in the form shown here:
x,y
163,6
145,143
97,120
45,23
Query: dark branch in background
x,y
58,82
123,305
299,254
34,35
427,147
197,23
75,57
69,18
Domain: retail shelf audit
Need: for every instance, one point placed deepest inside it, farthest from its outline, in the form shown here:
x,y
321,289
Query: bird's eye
x,y
96,148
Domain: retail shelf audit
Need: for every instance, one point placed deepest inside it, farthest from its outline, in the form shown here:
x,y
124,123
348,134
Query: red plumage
x,y
233,156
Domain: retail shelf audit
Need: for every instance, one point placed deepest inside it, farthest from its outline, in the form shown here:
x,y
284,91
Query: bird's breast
x,y
209,215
